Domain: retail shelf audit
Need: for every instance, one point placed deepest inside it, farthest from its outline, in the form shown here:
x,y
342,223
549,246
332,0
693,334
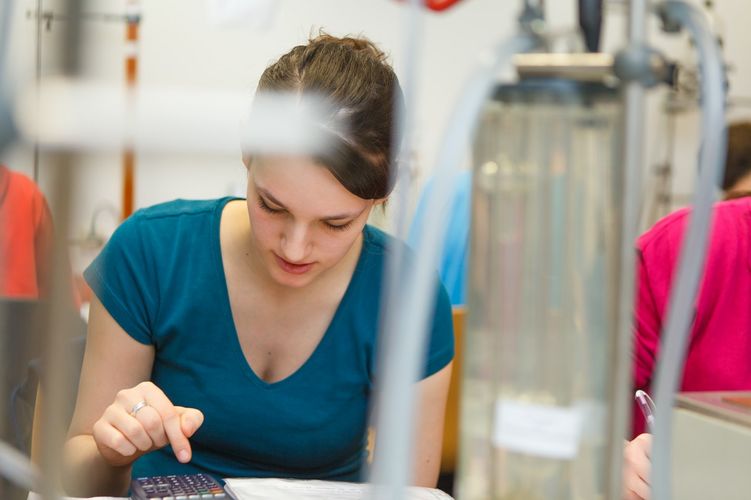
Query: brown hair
x,y
738,161
353,75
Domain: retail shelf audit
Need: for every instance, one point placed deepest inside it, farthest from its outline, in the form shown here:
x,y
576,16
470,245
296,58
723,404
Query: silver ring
x,y
137,407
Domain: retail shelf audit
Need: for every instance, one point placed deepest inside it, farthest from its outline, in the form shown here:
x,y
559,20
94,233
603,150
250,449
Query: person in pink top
x,y
719,349
719,353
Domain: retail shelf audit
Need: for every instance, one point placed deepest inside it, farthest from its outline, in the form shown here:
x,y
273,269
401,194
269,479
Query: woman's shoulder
x,y
169,221
375,240
729,219
174,215
378,242
668,227
180,208
732,212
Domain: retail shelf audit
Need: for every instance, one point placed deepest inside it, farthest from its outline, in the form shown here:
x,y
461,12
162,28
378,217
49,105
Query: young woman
x,y
238,337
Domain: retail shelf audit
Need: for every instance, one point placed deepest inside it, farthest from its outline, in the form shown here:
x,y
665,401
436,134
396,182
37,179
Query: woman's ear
x,y
381,202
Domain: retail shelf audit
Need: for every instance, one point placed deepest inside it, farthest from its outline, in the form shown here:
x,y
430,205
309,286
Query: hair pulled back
x,y
354,78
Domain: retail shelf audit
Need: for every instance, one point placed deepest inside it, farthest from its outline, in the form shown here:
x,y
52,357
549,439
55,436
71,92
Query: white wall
x,y
179,47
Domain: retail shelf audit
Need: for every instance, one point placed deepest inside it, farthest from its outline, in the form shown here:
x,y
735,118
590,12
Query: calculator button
x,y
180,487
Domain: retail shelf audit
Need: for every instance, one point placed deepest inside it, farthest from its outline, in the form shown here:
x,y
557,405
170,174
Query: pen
x,y
647,407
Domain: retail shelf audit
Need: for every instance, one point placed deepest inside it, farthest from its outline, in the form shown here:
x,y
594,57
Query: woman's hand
x,y
636,467
143,419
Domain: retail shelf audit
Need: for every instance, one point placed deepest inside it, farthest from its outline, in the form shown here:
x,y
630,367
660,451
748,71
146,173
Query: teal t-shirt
x,y
161,278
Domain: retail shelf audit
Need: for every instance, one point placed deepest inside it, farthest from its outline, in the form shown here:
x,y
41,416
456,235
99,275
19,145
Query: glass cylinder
x,y
542,292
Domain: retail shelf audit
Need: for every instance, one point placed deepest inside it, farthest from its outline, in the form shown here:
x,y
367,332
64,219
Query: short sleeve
x,y
124,281
441,347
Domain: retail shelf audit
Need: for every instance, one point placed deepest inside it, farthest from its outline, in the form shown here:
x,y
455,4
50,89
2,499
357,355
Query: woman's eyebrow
x,y
272,199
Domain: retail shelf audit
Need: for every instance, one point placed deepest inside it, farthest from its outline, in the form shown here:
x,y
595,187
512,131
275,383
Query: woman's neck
x,y
741,188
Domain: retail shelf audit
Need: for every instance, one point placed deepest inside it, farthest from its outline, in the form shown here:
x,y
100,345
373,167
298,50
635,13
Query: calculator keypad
x,y
177,487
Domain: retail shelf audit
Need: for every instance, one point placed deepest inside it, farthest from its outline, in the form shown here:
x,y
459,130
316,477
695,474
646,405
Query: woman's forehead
x,y
297,181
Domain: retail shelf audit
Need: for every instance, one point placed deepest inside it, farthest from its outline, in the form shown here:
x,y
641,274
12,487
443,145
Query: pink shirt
x,y
719,353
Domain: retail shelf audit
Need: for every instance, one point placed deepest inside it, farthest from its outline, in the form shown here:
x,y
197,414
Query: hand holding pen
x,y
647,407
636,454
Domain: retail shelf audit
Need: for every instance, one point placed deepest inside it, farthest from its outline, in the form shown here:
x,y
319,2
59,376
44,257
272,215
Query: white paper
x,y
292,489
536,429
37,496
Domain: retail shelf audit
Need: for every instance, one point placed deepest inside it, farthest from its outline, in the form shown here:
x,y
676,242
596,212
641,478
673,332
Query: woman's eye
x,y
338,227
334,227
267,208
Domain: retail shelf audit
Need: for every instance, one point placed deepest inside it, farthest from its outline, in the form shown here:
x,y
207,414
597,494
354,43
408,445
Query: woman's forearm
x,y
86,473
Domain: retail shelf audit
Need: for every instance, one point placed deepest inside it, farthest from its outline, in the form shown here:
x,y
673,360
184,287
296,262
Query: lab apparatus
x,y
543,289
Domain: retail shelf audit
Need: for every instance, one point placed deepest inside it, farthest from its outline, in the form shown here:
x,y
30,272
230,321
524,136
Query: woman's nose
x,y
295,243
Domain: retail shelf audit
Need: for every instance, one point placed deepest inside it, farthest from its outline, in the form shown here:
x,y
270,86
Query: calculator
x,y
176,487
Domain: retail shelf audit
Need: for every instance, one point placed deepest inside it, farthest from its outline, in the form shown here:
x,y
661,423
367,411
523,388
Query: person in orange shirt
x,y
26,237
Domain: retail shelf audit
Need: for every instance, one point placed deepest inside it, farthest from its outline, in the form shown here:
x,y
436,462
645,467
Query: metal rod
x,y
13,465
7,130
58,365
637,21
48,16
55,389
633,157
633,149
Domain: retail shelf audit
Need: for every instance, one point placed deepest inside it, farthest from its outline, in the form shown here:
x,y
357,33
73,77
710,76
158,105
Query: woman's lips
x,y
293,268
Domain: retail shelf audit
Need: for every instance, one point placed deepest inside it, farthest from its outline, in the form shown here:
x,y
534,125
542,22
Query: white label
x,y
537,429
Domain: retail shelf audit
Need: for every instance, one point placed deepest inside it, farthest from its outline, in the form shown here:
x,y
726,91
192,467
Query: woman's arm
x,y
112,361
106,436
432,393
